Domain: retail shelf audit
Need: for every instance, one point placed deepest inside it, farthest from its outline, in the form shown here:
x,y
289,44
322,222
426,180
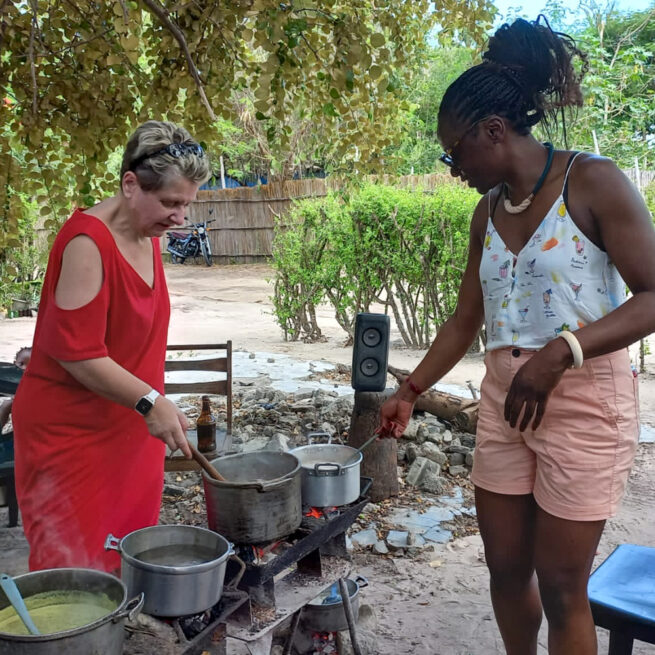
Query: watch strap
x,y
146,403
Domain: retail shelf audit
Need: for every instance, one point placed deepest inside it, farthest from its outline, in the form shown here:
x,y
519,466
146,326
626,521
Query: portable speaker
x,y
370,352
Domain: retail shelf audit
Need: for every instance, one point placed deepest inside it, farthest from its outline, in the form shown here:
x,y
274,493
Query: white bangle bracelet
x,y
574,345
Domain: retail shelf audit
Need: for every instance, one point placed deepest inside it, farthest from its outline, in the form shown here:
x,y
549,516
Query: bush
x,y
649,197
405,249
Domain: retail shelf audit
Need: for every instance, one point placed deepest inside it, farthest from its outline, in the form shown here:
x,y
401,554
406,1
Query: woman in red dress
x,y
90,422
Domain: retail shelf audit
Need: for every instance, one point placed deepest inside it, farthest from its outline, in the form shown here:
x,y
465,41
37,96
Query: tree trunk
x,y
461,412
380,458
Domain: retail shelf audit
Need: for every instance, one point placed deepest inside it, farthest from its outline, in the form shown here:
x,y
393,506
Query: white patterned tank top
x,y
559,280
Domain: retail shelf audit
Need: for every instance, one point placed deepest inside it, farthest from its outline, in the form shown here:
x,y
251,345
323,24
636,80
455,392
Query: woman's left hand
x,y
534,382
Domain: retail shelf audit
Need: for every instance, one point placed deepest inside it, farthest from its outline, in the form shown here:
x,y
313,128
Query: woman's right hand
x,y
395,415
167,423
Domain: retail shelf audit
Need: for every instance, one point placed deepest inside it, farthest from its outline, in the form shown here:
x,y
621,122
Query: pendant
x,y
516,209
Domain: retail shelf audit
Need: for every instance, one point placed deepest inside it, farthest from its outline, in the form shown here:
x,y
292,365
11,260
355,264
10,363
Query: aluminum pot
x,y
319,616
330,472
102,637
179,588
260,500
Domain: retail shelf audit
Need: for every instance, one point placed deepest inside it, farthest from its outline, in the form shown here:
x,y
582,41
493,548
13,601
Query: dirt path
x,y
439,610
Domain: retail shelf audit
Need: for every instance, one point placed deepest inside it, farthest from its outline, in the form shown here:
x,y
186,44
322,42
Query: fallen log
x,y
461,412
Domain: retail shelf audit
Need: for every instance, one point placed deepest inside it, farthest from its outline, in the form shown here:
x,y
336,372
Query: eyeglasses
x,y
447,155
174,150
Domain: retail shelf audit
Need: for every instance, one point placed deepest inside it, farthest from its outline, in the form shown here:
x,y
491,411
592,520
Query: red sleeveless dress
x,y
86,466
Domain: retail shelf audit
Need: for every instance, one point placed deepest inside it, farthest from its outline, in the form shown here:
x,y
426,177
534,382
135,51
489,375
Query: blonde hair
x,y
154,171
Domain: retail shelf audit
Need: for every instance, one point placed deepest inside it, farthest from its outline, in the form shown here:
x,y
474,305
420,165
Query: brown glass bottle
x,y
206,428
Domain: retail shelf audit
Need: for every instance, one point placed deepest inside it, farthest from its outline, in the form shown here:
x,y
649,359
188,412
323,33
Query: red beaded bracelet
x,y
413,387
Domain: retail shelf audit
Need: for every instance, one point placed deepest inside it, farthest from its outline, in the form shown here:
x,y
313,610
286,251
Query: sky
x,y
531,8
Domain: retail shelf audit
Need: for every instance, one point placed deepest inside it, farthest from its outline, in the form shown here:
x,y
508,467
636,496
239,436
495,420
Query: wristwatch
x,y
147,402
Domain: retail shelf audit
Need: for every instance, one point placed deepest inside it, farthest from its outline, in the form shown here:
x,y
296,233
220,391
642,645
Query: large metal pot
x,y
188,584
320,615
102,637
260,500
330,472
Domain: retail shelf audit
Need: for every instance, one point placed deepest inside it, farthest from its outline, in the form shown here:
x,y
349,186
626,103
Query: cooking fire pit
x,y
316,557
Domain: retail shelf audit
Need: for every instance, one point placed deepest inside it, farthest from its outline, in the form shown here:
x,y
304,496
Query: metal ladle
x,y
366,444
13,595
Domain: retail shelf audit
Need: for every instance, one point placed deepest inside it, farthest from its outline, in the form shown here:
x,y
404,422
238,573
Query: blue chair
x,y
622,597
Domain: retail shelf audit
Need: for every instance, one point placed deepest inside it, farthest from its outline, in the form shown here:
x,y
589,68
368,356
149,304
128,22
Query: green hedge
x,y
405,249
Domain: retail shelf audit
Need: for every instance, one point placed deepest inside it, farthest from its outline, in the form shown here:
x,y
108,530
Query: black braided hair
x,y
527,76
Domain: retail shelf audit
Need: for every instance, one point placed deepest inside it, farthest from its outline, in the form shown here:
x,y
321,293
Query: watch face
x,y
144,406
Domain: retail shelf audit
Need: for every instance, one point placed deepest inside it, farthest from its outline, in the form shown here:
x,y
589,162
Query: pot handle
x,y
131,610
328,469
112,543
361,581
318,434
267,486
234,582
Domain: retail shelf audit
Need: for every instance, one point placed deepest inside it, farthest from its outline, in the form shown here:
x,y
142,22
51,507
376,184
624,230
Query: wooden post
x,y
380,458
222,172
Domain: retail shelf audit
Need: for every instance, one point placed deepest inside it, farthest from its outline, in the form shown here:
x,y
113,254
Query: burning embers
x,y
322,512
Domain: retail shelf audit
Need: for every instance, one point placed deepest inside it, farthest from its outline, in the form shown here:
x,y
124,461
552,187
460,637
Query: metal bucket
x,y
330,472
260,500
102,637
319,617
173,590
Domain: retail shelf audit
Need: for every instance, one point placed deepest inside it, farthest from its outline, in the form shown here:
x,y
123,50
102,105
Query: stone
x,y
381,548
410,430
400,455
432,452
397,539
422,433
447,436
251,356
456,448
254,443
411,452
435,436
173,490
366,639
330,429
469,458
278,443
424,474
458,470
268,430
456,459
467,440
365,538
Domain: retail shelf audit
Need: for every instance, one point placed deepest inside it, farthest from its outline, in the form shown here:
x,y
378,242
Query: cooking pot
x,y
179,568
101,637
260,498
330,472
321,615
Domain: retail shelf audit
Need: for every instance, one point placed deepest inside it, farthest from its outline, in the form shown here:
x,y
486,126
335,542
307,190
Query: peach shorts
x,y
577,461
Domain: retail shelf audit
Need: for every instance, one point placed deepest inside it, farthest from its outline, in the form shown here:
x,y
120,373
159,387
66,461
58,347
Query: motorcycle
x,y
183,245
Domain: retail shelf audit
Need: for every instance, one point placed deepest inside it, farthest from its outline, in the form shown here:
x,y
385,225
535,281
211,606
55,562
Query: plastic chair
x,y
622,596
215,363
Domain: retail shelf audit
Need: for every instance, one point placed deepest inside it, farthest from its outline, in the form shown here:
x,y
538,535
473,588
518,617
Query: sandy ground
x,y
440,610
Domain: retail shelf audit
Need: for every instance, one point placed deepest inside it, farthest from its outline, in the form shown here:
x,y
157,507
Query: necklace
x,y
521,207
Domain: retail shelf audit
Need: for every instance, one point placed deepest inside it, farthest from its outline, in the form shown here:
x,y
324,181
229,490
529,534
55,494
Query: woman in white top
x,y
551,243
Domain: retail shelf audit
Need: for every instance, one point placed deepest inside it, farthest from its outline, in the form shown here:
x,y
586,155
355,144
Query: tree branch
x,y
160,12
629,35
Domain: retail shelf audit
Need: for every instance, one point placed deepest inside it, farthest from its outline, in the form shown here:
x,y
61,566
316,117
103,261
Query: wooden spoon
x,y
206,464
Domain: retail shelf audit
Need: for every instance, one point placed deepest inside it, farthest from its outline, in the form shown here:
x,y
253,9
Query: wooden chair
x,y
222,387
622,597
